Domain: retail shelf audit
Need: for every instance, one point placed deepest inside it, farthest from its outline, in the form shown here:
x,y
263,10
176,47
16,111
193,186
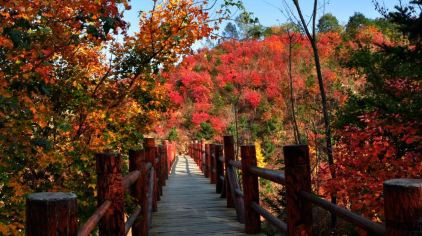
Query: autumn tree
x,y
328,23
379,127
312,37
230,31
63,98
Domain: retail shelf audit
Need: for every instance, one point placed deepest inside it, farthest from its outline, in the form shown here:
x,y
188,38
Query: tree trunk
x,y
313,40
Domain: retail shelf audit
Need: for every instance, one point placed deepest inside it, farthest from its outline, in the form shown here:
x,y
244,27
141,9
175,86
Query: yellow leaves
x,y
259,156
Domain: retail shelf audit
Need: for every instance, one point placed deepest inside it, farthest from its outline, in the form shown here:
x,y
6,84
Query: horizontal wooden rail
x,y
236,164
129,179
92,222
131,220
404,196
238,192
272,175
142,182
347,215
279,224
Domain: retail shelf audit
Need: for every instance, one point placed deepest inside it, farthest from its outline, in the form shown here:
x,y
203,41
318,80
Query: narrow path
x,y
190,206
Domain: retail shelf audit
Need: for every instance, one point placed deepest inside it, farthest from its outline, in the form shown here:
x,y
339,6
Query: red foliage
x,y
198,118
386,148
218,124
176,98
252,97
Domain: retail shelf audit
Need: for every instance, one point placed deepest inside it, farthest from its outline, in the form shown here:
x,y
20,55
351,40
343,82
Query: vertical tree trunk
x,y
313,40
292,103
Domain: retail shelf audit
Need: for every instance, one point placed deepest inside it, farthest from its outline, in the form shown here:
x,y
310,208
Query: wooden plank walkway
x,y
190,206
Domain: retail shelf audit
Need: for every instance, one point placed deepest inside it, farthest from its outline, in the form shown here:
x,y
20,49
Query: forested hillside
x,y
264,90
74,82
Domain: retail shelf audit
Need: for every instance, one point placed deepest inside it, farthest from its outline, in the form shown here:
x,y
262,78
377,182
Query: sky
x,y
269,14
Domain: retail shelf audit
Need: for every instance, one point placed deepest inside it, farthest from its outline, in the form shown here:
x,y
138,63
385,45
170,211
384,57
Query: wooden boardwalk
x,y
190,206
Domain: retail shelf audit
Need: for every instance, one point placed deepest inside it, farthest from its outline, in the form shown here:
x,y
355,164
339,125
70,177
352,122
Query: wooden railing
x,y
52,213
402,204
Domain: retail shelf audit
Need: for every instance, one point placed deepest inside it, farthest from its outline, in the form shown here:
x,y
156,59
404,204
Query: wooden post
x,y
167,157
150,156
403,207
218,168
163,162
51,214
206,161
201,155
159,168
298,177
198,154
213,177
228,155
250,190
195,151
139,191
109,187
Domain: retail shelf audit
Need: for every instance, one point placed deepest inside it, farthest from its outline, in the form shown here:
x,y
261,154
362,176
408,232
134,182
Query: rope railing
x,y
149,168
401,195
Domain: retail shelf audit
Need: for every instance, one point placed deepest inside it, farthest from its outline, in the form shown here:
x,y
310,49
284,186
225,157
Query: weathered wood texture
x,y
219,171
298,177
190,206
139,191
51,214
228,155
213,174
150,156
403,206
207,171
109,187
250,189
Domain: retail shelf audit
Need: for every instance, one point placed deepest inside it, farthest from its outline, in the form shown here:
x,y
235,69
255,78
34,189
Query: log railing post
x,y
198,154
168,157
163,164
207,161
159,168
403,207
298,178
250,189
195,150
109,187
201,155
139,191
213,178
219,168
51,214
228,155
204,164
150,156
